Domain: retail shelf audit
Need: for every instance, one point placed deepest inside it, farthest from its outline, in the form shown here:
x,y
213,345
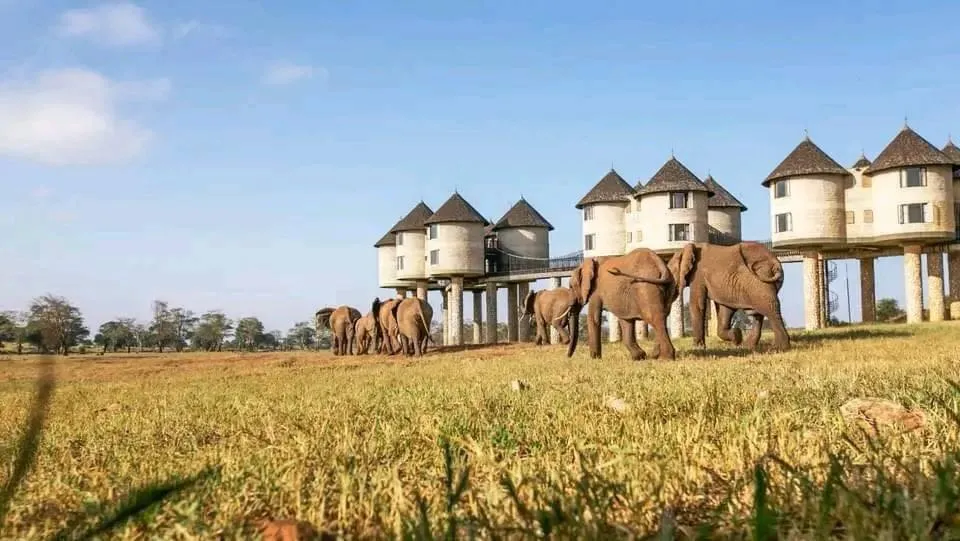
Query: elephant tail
x,y
528,304
574,314
664,279
426,325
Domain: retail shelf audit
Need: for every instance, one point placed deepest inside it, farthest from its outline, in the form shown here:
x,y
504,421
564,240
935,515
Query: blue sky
x,y
230,156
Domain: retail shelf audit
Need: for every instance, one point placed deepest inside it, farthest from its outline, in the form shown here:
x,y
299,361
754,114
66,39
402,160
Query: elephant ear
x,y
687,260
585,276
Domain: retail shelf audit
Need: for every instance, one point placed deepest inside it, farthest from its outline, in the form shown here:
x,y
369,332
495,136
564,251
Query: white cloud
x,y
284,73
71,117
113,24
193,27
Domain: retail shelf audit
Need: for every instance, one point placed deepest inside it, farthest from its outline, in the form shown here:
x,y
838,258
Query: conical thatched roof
x,y
611,189
413,221
806,159
522,214
721,197
673,176
907,149
390,239
456,209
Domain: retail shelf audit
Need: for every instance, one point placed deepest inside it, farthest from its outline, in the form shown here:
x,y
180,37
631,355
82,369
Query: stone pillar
x,y
456,311
402,292
445,307
912,281
422,290
811,292
523,327
953,269
822,292
477,315
868,295
676,317
491,298
935,302
713,320
554,335
512,315
613,327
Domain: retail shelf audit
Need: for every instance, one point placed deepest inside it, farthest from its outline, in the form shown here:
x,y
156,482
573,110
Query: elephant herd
x,y
636,286
391,326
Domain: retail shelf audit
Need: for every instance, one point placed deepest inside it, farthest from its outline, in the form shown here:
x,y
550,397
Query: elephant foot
x,y
639,355
699,343
594,354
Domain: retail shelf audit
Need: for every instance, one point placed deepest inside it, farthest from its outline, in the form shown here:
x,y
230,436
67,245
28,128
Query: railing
x,y
501,262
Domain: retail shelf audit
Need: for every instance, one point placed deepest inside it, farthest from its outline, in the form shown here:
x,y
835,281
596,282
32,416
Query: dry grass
x,y
355,445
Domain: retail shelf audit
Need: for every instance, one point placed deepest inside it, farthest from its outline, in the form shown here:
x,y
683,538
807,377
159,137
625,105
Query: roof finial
x,y
906,126
949,138
671,153
806,135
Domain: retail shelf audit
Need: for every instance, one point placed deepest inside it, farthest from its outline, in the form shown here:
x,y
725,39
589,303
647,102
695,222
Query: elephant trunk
x,y
574,314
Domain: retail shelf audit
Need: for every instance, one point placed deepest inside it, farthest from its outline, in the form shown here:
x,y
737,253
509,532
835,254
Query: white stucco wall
x,y
525,241
888,196
460,247
412,250
608,227
726,220
633,226
858,199
657,217
387,267
816,205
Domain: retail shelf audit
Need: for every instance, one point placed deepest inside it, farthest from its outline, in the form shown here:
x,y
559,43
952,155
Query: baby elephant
x,y
365,333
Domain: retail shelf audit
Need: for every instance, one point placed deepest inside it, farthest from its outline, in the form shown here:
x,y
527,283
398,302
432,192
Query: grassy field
x,y
748,445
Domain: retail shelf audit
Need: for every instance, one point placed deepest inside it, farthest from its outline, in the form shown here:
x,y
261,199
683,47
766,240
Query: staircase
x,y
832,298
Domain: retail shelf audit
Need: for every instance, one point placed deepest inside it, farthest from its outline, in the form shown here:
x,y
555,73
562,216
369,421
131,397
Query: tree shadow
x,y
798,340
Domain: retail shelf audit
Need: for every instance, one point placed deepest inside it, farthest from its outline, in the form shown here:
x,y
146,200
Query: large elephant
x,y
634,286
413,317
365,331
550,307
340,321
744,276
387,332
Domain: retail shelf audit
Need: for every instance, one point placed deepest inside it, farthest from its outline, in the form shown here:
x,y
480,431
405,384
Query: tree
x,y
162,326
113,335
249,333
56,323
16,328
888,309
303,335
183,322
210,333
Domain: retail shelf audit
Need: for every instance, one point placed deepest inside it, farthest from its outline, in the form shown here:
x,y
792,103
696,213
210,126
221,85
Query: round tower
x,y
674,208
723,214
387,262
953,152
912,192
858,202
411,238
455,239
523,231
807,198
633,221
604,225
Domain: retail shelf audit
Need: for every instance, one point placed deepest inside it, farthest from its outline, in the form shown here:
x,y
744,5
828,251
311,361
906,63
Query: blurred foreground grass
x,y
719,443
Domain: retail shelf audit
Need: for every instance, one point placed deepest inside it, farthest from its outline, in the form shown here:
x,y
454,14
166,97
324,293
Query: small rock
x,y
870,411
616,404
763,394
517,385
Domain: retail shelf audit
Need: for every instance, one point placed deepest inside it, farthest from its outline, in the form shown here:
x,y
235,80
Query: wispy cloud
x,y
71,117
112,24
194,27
285,73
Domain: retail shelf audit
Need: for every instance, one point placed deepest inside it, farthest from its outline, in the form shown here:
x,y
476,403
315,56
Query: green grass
x,y
724,443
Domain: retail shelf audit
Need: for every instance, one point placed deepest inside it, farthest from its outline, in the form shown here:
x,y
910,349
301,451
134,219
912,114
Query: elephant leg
x,y
724,324
663,346
594,314
698,306
771,310
628,335
753,335
562,331
335,346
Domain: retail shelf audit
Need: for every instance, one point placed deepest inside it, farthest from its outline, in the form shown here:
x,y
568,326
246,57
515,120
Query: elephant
x,y
340,321
633,286
745,276
413,317
365,330
550,307
387,331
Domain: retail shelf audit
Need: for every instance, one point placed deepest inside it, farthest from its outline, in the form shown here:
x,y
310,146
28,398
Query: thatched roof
x,y
522,214
390,239
413,221
862,162
721,197
611,189
456,209
806,159
907,149
673,176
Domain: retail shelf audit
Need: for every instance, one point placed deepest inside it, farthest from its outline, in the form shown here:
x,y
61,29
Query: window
x,y
678,200
914,213
913,177
679,232
850,217
588,243
399,239
639,236
781,188
867,181
433,231
587,213
784,222
629,236
868,216
434,257
400,262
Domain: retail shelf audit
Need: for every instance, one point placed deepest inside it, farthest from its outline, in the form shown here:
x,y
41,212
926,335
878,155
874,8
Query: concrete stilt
x,y
811,291
868,295
491,299
422,290
912,281
513,305
676,317
953,269
456,311
822,318
935,303
523,326
613,327
713,322
554,335
445,307
477,316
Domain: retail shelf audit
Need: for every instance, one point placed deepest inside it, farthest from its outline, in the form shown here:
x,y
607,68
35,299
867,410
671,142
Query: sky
x,y
238,157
